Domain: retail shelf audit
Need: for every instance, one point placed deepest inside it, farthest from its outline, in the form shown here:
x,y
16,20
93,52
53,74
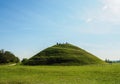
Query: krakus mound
x,y
63,54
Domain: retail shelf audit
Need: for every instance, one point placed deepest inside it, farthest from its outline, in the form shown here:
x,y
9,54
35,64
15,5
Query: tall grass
x,y
92,74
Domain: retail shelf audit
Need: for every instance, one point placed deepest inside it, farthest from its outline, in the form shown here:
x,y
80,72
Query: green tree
x,y
24,60
8,57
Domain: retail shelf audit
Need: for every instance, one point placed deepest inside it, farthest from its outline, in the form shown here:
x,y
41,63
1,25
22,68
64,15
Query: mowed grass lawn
x,y
93,74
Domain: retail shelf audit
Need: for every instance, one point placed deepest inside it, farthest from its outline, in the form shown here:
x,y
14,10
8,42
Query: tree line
x,y
8,57
110,61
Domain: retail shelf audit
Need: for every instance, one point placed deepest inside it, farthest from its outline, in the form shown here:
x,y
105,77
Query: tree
x,y
8,57
108,61
24,60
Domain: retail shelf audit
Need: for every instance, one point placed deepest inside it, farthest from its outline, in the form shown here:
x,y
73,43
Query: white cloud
x,y
100,19
89,20
105,8
112,5
103,19
110,11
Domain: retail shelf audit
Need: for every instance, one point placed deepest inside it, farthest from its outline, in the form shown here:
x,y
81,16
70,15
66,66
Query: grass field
x,y
92,74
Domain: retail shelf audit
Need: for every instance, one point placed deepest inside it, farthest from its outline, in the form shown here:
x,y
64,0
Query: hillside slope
x,y
64,54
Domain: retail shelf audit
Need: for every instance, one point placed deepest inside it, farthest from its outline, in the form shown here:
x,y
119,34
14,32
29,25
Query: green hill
x,y
63,54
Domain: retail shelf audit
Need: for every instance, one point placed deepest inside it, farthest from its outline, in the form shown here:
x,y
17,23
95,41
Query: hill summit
x,y
63,54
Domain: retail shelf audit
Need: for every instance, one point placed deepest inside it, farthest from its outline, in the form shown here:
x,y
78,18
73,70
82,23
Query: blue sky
x,y
28,26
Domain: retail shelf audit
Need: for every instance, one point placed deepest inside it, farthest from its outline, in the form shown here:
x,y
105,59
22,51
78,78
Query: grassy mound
x,y
63,54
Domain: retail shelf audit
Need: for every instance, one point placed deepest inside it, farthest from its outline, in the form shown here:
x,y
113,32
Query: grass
x,y
64,54
90,74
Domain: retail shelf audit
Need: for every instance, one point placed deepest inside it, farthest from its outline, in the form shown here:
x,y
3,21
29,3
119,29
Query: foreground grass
x,y
96,74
